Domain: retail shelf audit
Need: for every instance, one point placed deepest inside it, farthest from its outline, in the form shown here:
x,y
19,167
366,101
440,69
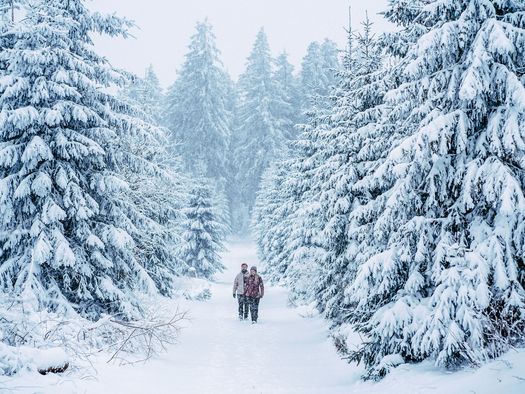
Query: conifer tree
x,y
64,240
272,217
319,243
445,280
202,234
294,242
288,97
146,93
159,195
354,126
260,133
197,109
312,72
317,77
331,64
286,240
155,199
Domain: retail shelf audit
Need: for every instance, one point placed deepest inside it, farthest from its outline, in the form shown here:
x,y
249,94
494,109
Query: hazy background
x,y
165,28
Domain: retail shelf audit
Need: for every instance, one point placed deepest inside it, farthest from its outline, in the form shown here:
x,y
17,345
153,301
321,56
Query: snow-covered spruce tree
x,y
265,217
288,108
311,75
348,157
197,108
292,245
202,234
291,252
154,200
331,63
286,242
260,133
272,218
146,93
157,232
64,243
318,246
303,248
318,74
447,277
159,194
339,127
390,130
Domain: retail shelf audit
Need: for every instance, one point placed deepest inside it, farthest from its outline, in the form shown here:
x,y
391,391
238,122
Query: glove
x,y
234,295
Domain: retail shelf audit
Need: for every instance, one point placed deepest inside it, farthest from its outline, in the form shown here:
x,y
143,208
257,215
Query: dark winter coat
x,y
254,286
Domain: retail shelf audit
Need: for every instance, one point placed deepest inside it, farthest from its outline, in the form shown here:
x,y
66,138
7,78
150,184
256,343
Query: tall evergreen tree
x,y
286,241
312,71
331,64
288,96
446,279
63,237
155,200
197,109
260,134
353,127
272,218
161,194
146,93
294,256
318,244
317,77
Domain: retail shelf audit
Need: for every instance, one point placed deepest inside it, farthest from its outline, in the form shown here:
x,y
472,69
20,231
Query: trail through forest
x,y
286,352
283,353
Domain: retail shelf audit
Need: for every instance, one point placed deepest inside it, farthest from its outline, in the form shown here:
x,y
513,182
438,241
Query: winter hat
x,y
254,268
244,264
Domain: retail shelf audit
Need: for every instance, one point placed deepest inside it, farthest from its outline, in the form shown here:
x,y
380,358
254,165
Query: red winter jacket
x,y
254,286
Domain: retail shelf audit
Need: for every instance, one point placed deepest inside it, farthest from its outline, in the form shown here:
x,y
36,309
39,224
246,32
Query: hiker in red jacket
x,y
254,291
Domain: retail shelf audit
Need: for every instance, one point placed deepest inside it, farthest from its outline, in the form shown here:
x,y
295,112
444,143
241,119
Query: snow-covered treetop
x,y
198,107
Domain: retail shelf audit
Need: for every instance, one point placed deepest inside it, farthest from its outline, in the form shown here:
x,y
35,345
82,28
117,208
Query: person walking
x,y
254,292
239,287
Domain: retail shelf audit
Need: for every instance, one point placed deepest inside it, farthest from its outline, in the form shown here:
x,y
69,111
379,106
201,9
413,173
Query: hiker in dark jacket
x,y
239,286
254,291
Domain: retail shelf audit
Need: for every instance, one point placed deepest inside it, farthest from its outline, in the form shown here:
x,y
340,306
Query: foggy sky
x,y
165,27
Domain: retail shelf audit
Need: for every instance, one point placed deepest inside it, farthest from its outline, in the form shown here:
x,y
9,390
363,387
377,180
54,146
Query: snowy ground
x,y
284,353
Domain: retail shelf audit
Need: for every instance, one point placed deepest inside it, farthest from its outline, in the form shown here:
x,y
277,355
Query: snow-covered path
x,y
283,353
